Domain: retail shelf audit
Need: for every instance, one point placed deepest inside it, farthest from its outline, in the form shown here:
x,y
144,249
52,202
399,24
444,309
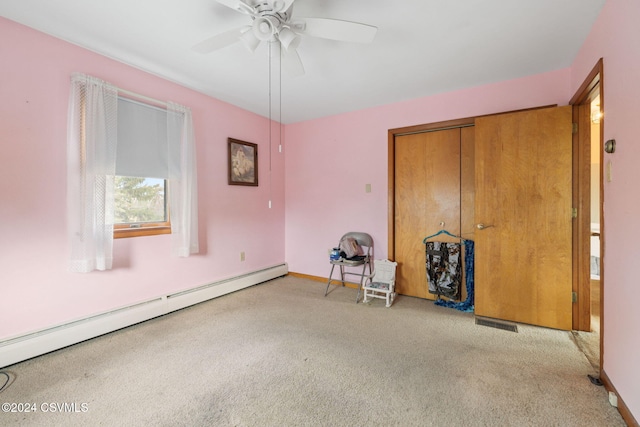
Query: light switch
x,y
367,188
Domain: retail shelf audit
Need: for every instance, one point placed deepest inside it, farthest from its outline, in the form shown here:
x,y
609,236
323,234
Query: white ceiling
x,y
422,47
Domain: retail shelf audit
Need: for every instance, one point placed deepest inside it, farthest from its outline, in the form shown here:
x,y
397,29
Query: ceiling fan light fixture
x,y
264,28
289,39
249,39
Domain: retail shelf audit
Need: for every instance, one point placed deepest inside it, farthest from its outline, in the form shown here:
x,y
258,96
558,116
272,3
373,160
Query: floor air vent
x,y
498,325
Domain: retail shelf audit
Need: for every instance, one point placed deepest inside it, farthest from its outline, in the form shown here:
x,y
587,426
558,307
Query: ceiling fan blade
x,y
219,41
291,63
282,5
238,5
335,29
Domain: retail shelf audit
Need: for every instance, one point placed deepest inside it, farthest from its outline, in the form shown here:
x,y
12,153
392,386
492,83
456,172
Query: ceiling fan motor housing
x,y
270,23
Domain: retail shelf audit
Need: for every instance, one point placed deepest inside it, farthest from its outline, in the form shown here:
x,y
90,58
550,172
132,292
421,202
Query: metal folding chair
x,y
366,244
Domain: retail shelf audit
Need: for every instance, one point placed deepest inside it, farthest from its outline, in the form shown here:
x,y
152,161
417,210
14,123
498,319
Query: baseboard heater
x,y
34,344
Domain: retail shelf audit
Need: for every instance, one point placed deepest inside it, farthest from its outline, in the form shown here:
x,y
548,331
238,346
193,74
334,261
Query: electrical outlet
x,y
613,399
242,256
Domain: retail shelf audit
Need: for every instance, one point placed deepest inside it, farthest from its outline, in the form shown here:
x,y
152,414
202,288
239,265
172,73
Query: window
x,y
141,207
110,136
140,193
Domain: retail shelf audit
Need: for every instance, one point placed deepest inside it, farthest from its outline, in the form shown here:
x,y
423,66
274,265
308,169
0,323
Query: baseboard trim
x,y
324,280
627,416
23,347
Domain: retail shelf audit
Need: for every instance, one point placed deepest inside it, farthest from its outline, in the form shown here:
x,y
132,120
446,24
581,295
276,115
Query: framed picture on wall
x,y
243,163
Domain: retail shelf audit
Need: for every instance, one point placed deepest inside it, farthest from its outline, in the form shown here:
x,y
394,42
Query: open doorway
x,y
589,338
588,277
594,242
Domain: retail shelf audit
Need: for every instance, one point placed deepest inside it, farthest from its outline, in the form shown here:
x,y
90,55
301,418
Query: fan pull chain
x,y
280,103
270,80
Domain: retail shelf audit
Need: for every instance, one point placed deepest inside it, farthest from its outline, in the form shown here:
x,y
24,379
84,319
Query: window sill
x,y
124,232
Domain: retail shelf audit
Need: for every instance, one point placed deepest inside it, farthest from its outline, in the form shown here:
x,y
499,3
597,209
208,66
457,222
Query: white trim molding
x,y
17,349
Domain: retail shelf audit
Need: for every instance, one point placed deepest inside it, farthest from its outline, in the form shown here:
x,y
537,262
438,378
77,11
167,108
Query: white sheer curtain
x,y
91,163
183,188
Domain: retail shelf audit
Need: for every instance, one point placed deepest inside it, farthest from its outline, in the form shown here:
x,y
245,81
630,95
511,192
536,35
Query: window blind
x,y
142,140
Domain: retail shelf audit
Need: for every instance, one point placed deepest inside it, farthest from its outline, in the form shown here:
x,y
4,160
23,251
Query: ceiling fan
x,y
273,22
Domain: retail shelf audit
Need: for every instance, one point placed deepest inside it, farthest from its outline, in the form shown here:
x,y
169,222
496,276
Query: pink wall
x,y
330,160
37,291
616,39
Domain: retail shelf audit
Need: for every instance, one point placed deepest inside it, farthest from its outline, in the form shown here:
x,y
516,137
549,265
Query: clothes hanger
x,y
443,231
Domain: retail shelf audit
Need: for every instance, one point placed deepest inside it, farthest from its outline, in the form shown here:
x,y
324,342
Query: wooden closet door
x,y
523,195
427,193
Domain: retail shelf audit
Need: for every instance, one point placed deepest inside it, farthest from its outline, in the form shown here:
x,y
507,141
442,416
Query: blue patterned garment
x,y
468,304
444,268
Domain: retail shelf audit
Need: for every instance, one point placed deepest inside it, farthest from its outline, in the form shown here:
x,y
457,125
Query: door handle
x,y
482,226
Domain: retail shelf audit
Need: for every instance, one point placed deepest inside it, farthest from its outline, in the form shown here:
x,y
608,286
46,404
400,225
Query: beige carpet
x,y
281,354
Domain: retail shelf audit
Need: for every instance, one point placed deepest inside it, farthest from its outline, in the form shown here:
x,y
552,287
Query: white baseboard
x,y
34,344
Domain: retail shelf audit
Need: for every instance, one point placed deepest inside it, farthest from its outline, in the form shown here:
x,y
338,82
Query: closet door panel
x,y
467,182
467,193
427,194
410,205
